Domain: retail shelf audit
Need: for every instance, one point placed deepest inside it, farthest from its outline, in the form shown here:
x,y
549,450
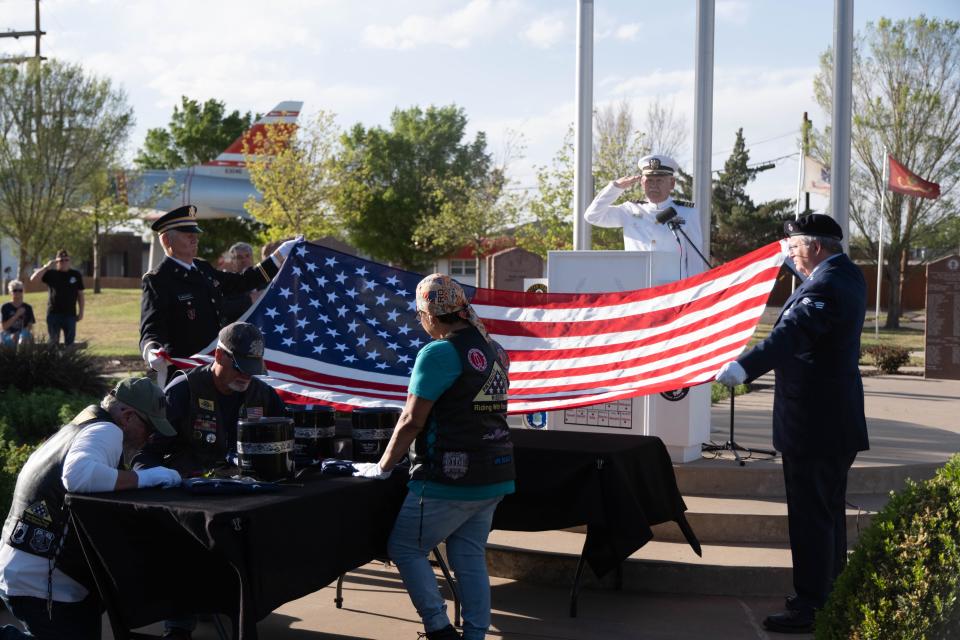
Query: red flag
x,y
341,330
902,180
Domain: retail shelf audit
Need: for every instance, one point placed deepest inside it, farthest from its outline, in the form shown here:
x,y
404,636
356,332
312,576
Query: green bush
x,y
31,417
12,459
69,369
720,392
888,358
903,578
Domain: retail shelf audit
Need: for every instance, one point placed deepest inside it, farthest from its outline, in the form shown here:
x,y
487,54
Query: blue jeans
x,y
465,524
58,321
70,621
12,339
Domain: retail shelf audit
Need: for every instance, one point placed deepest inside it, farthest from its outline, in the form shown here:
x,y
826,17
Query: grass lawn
x,y
110,325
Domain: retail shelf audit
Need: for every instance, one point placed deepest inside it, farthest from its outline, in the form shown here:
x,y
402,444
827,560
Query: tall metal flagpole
x,y
883,200
703,118
842,113
583,134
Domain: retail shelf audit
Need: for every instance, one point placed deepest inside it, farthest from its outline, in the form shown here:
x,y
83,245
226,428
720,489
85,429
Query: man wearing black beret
x,y
182,301
818,420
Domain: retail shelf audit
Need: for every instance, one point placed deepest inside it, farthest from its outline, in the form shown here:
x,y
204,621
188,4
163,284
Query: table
x,y
616,485
160,554
165,553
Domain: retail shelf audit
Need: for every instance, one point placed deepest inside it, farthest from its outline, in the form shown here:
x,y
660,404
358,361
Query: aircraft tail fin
x,y
285,112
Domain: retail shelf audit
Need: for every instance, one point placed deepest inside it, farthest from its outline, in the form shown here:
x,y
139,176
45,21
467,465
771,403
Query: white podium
x,y
683,424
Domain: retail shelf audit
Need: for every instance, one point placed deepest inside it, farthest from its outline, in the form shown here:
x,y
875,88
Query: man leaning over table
x,y
44,579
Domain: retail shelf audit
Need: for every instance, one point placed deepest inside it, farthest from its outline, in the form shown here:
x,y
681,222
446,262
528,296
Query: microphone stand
x,y
731,444
676,225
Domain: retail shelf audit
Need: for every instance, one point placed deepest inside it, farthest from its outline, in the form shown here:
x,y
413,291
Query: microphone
x,y
665,216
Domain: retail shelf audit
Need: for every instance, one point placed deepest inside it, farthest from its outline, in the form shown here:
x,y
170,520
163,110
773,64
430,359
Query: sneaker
x,y
447,633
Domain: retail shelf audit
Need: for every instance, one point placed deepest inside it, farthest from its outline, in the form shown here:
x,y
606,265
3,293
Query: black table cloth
x,y
616,485
160,554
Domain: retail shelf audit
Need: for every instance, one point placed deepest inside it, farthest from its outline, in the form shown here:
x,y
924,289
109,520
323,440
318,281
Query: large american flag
x,y
343,331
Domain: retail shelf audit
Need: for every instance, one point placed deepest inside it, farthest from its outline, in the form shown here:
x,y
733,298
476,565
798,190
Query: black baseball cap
x,y
244,343
813,224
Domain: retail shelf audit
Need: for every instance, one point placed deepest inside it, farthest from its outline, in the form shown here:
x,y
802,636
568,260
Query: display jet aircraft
x,y
217,188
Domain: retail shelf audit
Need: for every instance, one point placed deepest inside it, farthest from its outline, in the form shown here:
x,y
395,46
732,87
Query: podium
x,y
681,420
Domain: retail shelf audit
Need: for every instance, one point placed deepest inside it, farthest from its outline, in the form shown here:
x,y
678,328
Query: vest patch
x,y
476,359
206,404
41,540
493,394
20,533
455,464
38,514
254,412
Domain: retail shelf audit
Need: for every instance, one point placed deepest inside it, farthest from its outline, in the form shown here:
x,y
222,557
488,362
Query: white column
x,y
841,117
583,131
703,119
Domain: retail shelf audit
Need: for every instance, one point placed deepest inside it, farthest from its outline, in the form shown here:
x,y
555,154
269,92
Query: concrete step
x,y
748,520
764,478
550,558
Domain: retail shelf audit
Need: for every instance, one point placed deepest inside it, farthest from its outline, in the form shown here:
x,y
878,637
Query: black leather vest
x,y
37,522
472,444
210,439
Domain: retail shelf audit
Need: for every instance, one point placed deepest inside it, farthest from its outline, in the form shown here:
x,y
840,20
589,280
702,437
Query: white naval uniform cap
x,y
657,165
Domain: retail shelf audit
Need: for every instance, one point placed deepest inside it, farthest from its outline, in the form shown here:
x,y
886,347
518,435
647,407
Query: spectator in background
x,y
65,306
236,304
17,317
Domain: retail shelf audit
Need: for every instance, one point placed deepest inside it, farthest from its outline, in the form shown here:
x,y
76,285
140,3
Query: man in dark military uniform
x,y
818,420
181,306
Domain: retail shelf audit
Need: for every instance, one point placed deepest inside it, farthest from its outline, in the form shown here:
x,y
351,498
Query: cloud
x,y
545,32
734,11
456,30
627,31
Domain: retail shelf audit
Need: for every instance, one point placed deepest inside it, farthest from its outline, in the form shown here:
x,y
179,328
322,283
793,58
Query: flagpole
x,y
883,199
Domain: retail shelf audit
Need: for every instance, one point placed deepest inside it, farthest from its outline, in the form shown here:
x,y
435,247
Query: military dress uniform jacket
x,y
181,309
814,349
641,231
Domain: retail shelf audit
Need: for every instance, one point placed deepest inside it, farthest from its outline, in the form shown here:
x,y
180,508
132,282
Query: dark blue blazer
x,y
814,349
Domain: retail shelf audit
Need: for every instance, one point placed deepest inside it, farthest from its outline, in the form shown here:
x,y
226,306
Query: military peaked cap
x,y
180,219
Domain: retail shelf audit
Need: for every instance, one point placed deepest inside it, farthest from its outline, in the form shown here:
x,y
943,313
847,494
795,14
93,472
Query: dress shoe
x,y
790,622
792,603
177,634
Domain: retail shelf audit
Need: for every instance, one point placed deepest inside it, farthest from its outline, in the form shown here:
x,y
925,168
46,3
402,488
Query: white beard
x,y
238,385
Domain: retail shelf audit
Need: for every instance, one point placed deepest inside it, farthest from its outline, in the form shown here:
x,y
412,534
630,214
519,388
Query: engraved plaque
x,y
942,336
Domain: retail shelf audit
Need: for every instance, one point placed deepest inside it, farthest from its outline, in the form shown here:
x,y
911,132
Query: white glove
x,y
370,470
155,361
731,374
285,248
157,477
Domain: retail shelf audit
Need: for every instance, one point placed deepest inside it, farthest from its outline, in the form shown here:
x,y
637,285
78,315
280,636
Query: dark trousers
x,y
57,322
70,620
816,514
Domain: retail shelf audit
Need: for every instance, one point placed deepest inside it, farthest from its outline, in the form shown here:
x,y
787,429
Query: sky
x,y
510,64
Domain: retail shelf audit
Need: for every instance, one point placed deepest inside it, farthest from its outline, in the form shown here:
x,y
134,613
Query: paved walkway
x,y
910,420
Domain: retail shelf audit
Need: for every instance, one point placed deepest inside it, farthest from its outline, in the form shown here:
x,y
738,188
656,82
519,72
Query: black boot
x,y
447,633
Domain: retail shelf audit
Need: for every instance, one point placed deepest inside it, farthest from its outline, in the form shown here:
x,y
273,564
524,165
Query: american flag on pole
x,y
342,330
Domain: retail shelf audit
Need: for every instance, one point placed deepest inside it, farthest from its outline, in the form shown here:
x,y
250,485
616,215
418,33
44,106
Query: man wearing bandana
x,y
454,426
818,420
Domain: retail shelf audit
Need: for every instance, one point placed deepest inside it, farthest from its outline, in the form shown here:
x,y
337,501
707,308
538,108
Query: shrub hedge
x,y
69,369
887,358
12,458
903,578
29,417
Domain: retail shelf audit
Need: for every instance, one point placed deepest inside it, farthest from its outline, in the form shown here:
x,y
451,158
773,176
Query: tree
x,y
617,147
739,226
58,128
293,167
666,132
473,214
387,179
906,99
196,134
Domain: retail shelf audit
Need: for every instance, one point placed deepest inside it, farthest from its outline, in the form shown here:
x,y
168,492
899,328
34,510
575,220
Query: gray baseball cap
x,y
244,343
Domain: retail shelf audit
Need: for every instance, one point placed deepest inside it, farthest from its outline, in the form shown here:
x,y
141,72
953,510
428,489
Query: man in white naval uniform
x,y
641,231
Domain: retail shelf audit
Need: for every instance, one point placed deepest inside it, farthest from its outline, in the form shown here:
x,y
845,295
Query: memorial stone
x,y
509,267
942,335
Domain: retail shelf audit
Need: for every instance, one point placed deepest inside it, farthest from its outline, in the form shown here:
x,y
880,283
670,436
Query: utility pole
x,y
36,33
807,125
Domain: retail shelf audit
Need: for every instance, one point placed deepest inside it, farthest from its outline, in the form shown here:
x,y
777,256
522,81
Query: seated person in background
x,y
17,317
82,457
205,404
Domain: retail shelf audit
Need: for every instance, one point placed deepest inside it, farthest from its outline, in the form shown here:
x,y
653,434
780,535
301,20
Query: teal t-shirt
x,y
435,370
